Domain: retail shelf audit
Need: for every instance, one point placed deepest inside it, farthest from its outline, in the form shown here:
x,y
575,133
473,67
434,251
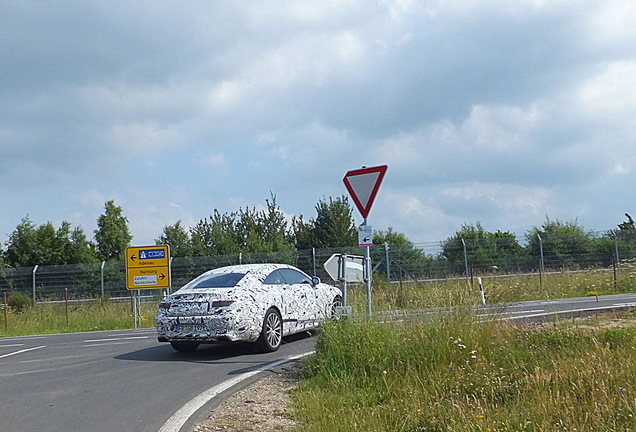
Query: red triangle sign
x,y
363,185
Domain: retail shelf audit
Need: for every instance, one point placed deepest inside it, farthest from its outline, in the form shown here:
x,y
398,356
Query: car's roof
x,y
251,268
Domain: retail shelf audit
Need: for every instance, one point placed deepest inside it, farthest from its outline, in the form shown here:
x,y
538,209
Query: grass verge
x,y
89,316
456,374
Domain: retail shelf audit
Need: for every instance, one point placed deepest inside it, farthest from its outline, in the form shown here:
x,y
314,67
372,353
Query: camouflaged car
x,y
259,303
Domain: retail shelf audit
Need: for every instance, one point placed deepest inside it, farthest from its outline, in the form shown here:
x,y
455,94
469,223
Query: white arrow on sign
x,y
363,185
354,267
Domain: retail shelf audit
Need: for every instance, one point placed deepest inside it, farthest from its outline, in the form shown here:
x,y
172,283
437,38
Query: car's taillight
x,y
221,303
164,305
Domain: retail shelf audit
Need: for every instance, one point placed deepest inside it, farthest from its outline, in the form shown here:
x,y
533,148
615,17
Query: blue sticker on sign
x,y
148,254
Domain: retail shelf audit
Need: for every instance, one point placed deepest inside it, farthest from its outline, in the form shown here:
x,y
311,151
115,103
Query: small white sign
x,y
342,311
145,280
365,236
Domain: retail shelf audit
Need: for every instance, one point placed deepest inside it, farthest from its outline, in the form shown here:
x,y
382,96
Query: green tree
x,y
246,230
276,235
112,236
215,235
48,249
404,256
625,237
391,237
629,225
177,238
29,245
564,243
303,233
79,248
333,226
485,250
22,244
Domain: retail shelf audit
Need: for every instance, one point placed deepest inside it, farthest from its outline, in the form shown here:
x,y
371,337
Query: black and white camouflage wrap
x,y
189,314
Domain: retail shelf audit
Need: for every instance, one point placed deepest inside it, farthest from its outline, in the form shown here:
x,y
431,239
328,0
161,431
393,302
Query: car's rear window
x,y
217,280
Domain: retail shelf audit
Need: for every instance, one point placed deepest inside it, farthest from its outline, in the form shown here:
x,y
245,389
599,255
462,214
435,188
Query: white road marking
x,y
178,419
23,338
22,351
115,339
529,311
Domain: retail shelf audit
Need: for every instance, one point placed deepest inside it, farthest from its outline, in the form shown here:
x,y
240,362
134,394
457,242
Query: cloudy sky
x,y
502,112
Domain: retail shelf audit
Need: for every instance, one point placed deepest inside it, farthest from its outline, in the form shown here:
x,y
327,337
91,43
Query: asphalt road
x,y
543,310
124,381
113,381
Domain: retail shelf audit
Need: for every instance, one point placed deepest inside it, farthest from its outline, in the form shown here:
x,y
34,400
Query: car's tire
x,y
271,333
184,346
337,301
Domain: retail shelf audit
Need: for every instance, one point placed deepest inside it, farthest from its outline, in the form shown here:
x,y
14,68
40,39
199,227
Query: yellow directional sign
x,y
148,267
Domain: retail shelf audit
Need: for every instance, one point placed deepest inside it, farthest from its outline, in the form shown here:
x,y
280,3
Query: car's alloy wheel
x,y
337,302
272,332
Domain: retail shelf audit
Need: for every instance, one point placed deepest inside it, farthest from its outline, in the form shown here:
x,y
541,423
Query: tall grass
x,y
497,289
90,316
455,374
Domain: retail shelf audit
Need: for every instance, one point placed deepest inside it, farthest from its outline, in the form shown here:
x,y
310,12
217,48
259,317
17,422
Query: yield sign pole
x,y
363,185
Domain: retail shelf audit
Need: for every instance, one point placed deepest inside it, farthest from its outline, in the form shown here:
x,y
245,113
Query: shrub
x,y
19,301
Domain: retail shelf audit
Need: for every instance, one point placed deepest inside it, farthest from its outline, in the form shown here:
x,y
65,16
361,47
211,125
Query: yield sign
x,y
363,185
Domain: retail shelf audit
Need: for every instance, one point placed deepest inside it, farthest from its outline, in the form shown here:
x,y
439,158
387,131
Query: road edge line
x,y
179,418
22,351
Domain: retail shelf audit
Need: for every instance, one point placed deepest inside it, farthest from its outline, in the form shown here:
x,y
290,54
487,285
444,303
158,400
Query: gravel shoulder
x,y
263,406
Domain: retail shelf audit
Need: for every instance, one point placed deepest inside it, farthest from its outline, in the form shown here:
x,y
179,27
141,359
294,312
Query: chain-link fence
x,y
422,261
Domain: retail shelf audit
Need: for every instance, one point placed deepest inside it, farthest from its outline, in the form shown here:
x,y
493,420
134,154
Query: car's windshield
x,y
216,280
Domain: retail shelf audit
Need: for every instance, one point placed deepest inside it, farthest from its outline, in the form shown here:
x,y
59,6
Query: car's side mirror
x,y
315,280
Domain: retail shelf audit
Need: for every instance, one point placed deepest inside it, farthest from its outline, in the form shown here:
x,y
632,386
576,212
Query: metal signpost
x,y
363,185
147,267
345,268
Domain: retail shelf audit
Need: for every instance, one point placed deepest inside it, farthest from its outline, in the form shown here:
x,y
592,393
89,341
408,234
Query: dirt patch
x,y
263,406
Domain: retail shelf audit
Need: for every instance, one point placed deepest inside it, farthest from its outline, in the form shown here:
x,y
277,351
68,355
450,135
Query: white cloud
x,y
611,94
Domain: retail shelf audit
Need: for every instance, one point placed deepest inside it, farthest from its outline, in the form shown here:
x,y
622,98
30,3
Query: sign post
x,y
363,185
147,267
345,268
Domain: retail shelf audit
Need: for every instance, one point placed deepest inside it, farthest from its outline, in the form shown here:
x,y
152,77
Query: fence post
x,y
313,258
466,260
102,272
614,264
618,261
169,290
6,312
388,262
35,269
542,263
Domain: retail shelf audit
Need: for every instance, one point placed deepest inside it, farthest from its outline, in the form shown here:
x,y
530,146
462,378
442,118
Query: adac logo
x,y
148,254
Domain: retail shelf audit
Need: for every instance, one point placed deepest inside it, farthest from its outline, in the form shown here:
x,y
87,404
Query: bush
x,y
19,301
